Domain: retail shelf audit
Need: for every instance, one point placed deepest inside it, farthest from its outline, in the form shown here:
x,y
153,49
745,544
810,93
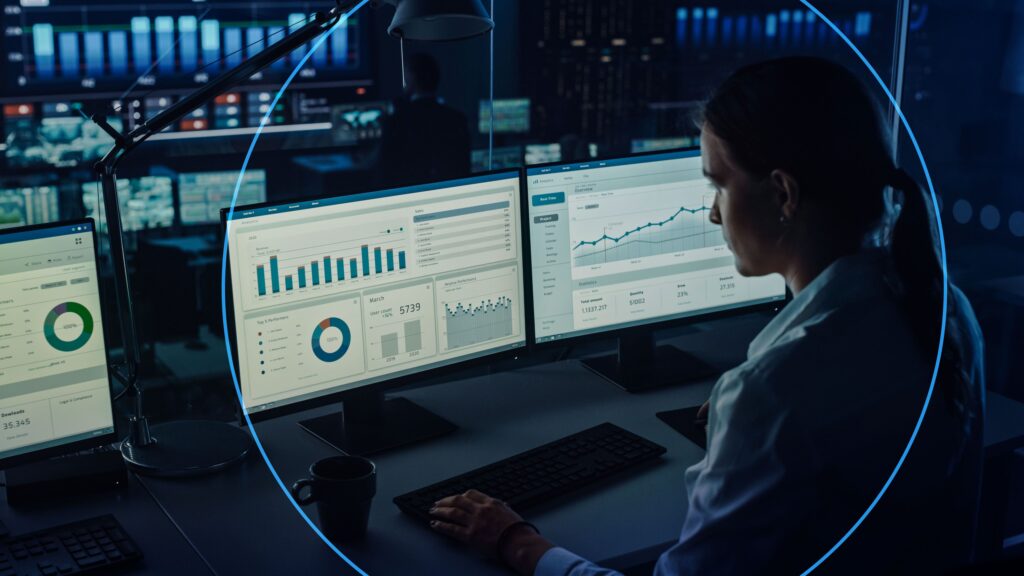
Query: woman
x,y
805,432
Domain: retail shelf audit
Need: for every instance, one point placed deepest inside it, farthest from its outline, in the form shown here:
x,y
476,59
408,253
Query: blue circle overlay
x,y
942,258
346,339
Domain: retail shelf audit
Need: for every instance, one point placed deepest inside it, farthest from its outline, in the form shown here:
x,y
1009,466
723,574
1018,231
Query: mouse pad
x,y
682,421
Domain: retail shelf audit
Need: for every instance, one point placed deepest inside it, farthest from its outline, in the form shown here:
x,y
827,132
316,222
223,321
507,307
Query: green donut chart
x,y
50,326
346,339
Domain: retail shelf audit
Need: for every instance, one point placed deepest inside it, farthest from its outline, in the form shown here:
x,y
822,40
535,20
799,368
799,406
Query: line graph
x,y
687,228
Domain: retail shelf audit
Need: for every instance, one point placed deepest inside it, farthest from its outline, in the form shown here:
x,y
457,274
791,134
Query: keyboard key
x,y
92,560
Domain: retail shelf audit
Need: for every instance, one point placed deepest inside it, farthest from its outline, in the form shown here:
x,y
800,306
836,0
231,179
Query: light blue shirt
x,y
804,434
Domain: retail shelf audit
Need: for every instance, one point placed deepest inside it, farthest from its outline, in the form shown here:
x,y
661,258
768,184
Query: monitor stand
x,y
369,424
641,365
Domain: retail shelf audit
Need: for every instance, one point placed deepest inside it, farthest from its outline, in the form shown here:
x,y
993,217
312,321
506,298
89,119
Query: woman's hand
x,y
473,518
479,520
702,415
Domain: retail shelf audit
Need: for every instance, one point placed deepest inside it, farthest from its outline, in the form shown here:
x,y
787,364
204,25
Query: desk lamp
x,y
189,447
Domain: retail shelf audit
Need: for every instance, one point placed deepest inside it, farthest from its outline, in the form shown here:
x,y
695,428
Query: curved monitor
x,y
335,294
627,242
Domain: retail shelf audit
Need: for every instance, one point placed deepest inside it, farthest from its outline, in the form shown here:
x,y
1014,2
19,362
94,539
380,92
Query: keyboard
x,y
92,545
545,474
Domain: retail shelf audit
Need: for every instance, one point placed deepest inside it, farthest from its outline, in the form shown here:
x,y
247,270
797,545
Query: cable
x,y
175,524
490,139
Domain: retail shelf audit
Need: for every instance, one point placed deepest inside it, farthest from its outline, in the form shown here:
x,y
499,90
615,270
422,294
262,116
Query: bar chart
x,y
174,43
400,325
700,27
334,270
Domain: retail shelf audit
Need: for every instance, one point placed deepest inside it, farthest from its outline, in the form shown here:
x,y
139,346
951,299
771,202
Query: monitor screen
x,y
622,243
543,153
656,144
511,116
29,205
338,293
54,385
504,157
52,134
146,202
355,123
202,194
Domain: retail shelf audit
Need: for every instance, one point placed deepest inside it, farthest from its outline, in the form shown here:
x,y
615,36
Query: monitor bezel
x,y
94,441
339,396
773,306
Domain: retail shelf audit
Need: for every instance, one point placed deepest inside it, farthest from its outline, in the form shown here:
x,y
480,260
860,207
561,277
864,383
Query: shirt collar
x,y
848,279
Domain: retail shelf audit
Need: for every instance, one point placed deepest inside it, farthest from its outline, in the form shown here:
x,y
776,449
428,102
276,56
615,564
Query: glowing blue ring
x,y
223,275
942,259
945,288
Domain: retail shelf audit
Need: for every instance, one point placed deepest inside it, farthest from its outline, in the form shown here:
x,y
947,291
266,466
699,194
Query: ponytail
x,y
913,248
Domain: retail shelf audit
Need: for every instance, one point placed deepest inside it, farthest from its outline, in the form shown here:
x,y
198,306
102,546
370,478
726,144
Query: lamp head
x,y
439,20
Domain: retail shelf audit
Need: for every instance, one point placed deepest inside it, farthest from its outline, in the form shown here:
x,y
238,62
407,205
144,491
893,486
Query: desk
x,y
242,523
498,415
164,548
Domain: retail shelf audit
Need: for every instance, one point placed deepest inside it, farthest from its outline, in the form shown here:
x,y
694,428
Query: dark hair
x,y
814,119
427,73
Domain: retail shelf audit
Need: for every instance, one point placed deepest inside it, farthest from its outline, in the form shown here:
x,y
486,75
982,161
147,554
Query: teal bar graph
x,y
209,38
261,282
141,51
275,284
353,268
391,260
315,269
164,26
93,53
68,42
366,260
302,276
327,269
377,268
341,269
118,53
42,43
288,283
401,259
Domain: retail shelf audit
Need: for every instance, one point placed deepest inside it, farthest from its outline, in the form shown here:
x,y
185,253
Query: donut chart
x,y
346,339
50,326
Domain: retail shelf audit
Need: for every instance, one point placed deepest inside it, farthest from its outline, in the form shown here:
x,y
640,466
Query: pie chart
x,y
64,321
330,345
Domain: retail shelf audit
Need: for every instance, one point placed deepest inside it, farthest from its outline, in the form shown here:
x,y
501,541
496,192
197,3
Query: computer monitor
x,y
482,160
54,384
543,153
29,205
202,195
511,116
642,145
52,134
146,202
353,293
356,123
623,245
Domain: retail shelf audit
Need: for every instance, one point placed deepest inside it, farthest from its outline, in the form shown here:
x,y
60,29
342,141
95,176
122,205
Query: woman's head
x,y
801,162
800,159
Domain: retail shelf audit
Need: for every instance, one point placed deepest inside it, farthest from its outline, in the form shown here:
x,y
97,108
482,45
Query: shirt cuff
x,y
558,562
